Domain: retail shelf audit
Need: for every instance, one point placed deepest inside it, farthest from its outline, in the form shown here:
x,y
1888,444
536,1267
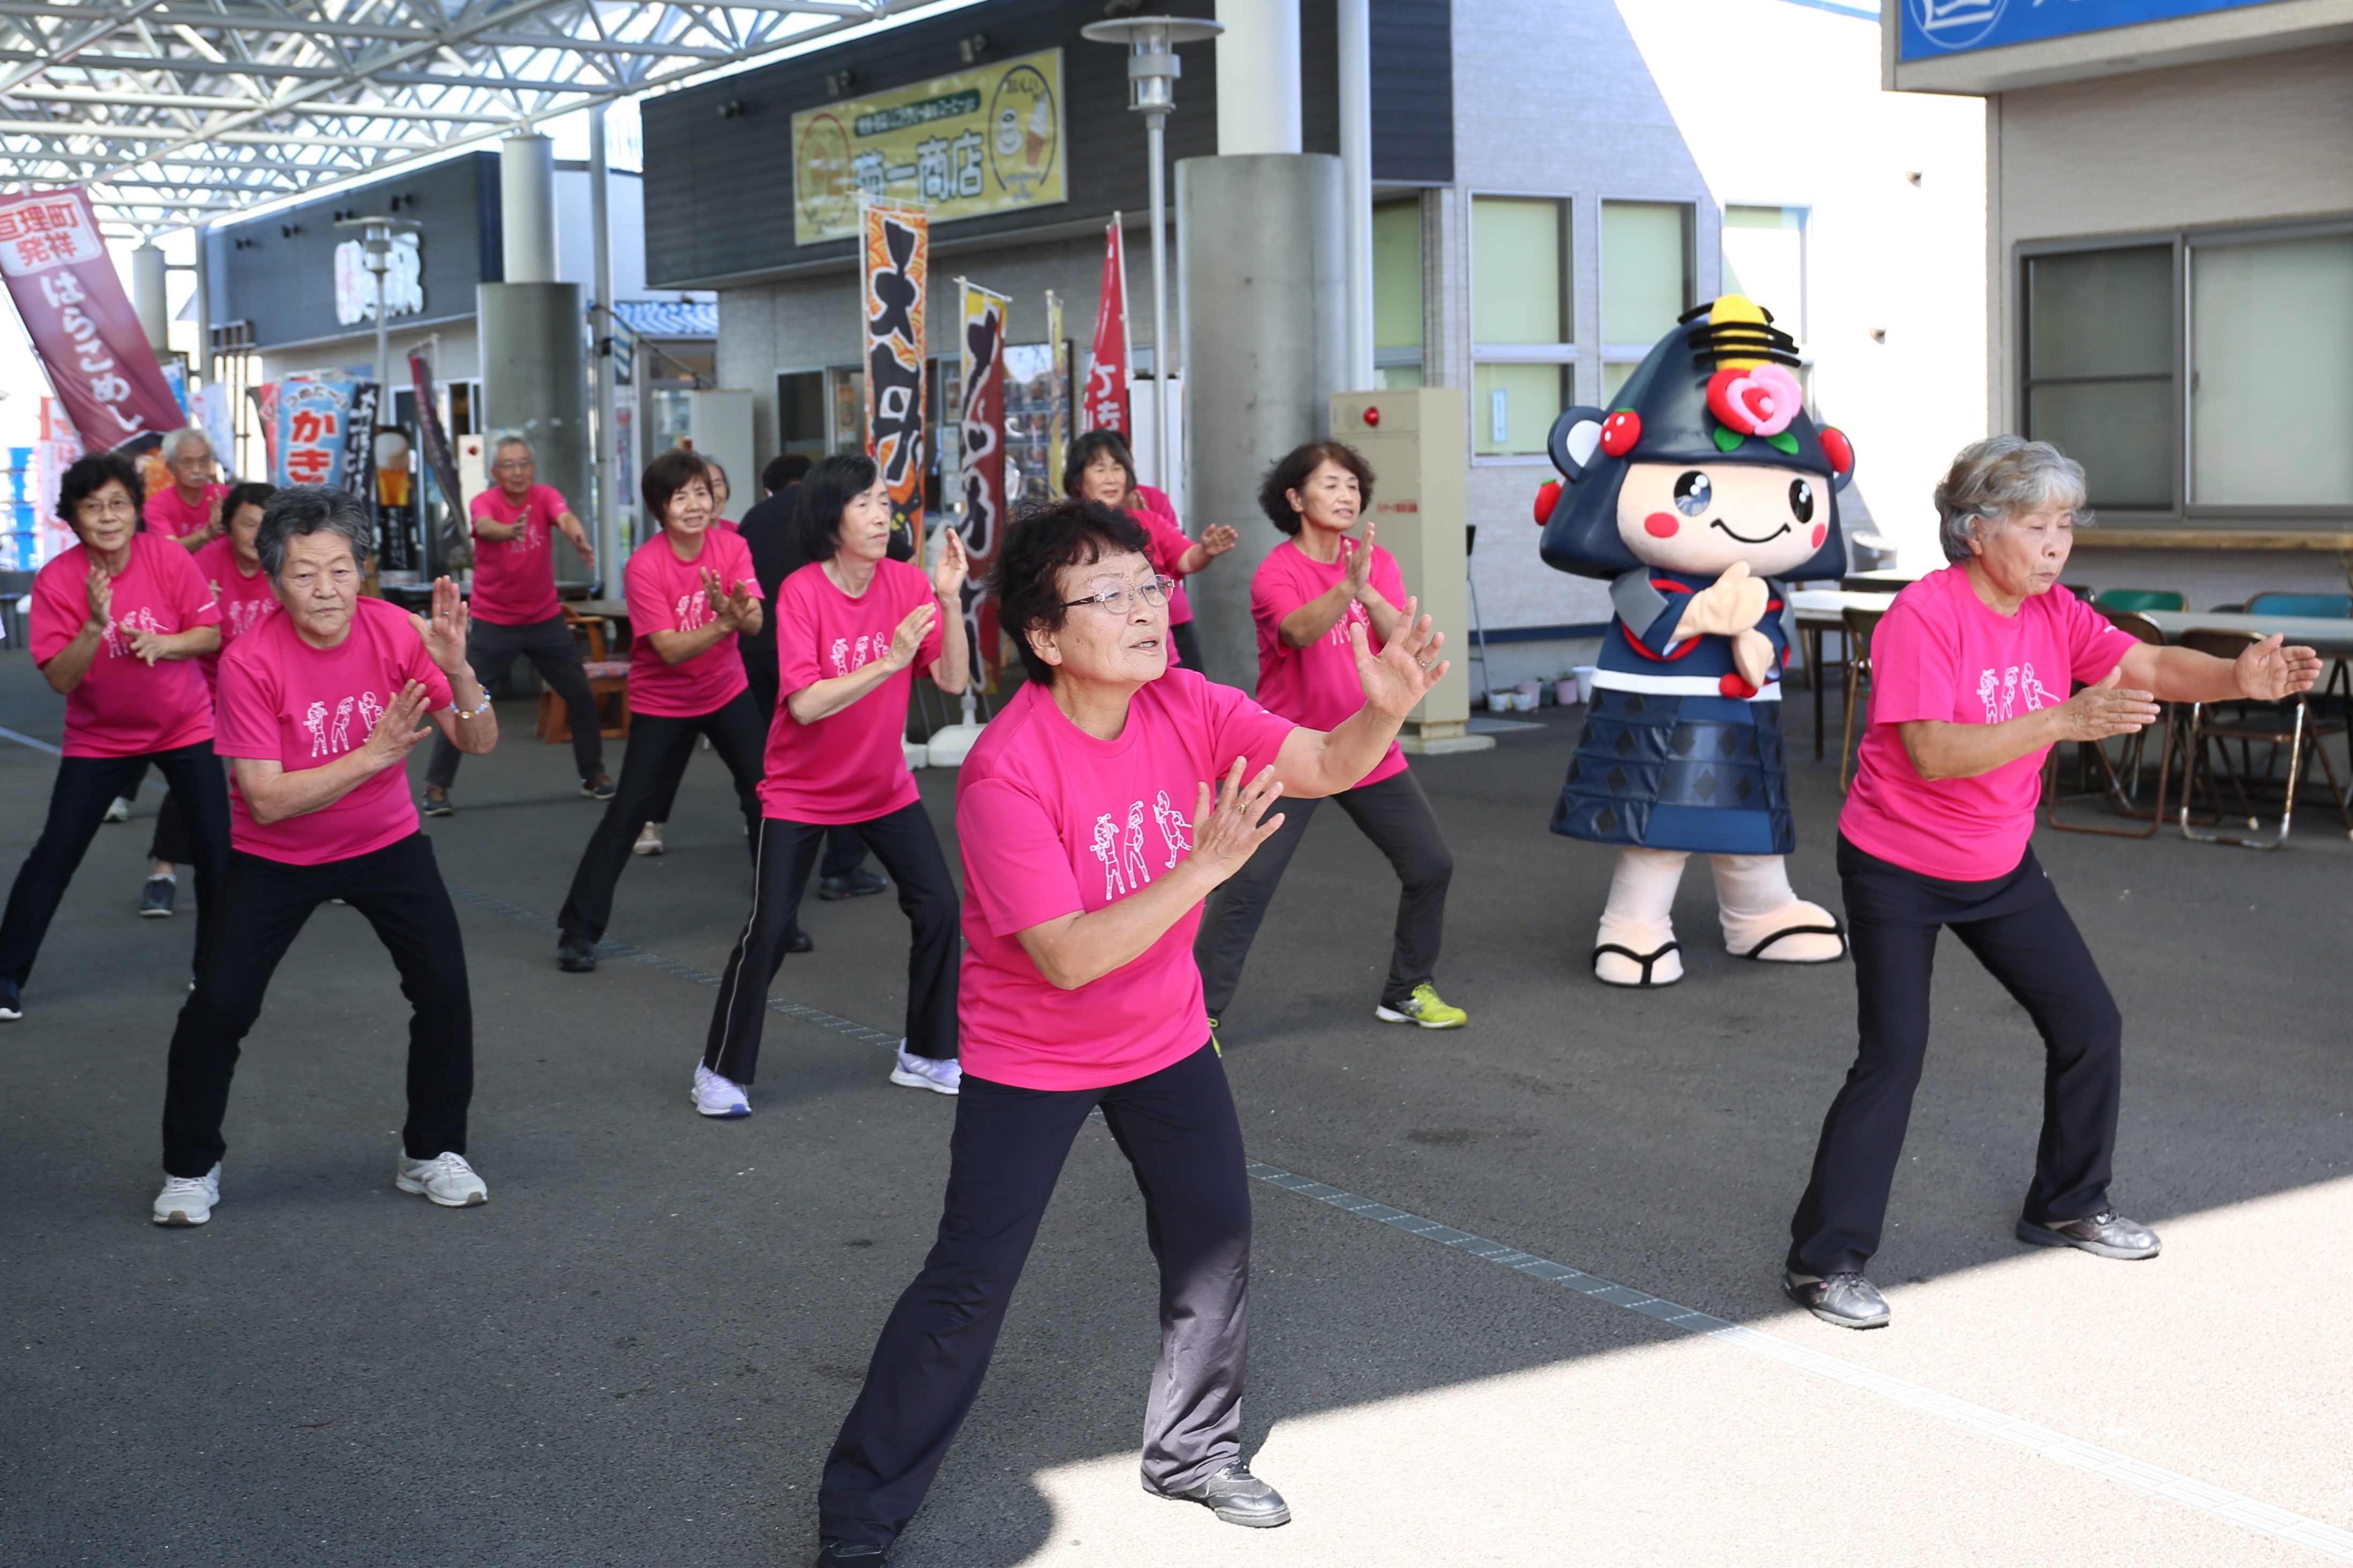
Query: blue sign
x,y
1936,27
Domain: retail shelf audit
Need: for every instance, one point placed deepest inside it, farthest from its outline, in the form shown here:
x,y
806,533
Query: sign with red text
x,y
1105,405
81,322
981,357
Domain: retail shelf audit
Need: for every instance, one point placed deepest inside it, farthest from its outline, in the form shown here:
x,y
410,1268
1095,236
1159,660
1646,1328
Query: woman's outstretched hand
x,y
1226,831
2267,672
953,567
2106,707
1405,670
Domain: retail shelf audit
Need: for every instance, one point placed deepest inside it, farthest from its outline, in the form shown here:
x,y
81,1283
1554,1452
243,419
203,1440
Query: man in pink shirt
x,y
319,710
189,513
515,612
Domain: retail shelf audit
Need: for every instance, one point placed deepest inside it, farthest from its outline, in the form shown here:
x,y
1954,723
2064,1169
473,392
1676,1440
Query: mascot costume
x,y
1703,484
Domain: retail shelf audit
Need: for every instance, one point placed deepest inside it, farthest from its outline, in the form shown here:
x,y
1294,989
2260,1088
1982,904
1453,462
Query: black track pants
x,y
492,649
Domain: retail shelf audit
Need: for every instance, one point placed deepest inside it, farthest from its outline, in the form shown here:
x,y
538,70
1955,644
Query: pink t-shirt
x,y
1942,653
514,579
245,602
667,594
849,767
1169,544
125,706
283,700
166,513
1053,822
1317,686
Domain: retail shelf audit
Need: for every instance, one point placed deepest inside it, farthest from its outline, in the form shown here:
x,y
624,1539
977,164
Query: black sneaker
x,y
156,898
843,1554
801,941
11,1002
599,788
857,885
576,957
1237,1497
437,802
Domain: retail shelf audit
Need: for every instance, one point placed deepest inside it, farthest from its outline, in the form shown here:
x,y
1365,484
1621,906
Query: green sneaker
x,y
1425,1007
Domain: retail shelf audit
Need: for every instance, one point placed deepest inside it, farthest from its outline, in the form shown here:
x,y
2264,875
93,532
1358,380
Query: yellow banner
x,y
988,139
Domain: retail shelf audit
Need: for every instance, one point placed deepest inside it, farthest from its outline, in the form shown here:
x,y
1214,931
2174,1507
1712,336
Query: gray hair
x,y
505,438
312,509
181,437
1994,479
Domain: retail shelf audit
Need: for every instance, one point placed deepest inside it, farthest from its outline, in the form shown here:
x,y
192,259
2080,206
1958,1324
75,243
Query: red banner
x,y
896,265
81,322
1105,406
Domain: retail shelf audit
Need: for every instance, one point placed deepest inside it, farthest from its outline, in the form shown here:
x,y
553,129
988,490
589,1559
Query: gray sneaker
x,y
1237,1497
2107,1233
1849,1300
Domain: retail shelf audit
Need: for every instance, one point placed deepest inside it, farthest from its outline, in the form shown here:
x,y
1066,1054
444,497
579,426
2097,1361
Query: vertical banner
x,y
457,534
981,358
1106,400
325,426
1058,414
57,449
81,322
894,270
264,394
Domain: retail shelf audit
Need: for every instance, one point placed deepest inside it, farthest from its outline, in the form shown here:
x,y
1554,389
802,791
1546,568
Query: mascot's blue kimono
x,y
1699,487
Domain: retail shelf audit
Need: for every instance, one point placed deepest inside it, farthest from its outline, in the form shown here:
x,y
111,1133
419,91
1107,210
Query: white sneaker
x,y
649,840
716,1096
188,1200
446,1178
940,1076
121,811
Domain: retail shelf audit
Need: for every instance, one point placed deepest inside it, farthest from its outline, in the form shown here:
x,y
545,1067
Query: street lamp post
x,y
375,254
1153,68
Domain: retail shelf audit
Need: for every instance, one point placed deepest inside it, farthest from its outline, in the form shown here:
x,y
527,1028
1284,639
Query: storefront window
x,y
1521,323
1765,259
800,412
2271,372
2099,368
1646,280
1397,294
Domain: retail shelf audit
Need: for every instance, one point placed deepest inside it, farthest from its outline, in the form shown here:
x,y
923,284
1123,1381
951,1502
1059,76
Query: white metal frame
x,y
172,110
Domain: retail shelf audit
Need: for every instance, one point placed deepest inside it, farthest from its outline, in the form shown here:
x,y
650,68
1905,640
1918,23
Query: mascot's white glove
x,y
1733,604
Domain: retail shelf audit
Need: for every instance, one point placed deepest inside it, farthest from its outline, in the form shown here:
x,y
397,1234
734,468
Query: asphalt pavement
x,y
638,1352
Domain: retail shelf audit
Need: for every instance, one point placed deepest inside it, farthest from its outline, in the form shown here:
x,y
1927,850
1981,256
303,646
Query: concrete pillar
x,y
527,207
147,295
204,305
1258,78
606,526
1262,269
535,382
1355,31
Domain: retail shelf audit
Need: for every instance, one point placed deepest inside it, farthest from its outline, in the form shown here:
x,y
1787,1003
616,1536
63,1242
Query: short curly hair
x,y
88,476
1994,479
1290,474
1028,577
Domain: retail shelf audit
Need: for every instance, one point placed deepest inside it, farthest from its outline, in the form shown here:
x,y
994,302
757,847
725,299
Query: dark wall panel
x,y
1413,90
285,285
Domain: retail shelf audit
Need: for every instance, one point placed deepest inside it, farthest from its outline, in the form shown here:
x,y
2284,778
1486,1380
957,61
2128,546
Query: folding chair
x,y
1859,626
2290,723
2119,783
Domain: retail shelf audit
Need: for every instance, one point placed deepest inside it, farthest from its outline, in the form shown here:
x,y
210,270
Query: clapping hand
x,y
1226,832
907,640
444,634
730,603
2267,672
101,599
1358,559
1218,538
151,646
397,733
1405,670
948,574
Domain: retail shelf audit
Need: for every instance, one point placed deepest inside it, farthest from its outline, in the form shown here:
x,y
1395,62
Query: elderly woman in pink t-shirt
x,y
1971,668
1089,838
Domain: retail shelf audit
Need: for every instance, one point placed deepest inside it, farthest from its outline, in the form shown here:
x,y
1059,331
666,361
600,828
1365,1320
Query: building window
x,y
1397,294
2271,372
1647,281
1521,334
2099,382
1765,259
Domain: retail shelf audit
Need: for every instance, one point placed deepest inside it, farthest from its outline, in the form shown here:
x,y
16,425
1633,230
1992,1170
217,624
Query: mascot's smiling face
x,y
1700,517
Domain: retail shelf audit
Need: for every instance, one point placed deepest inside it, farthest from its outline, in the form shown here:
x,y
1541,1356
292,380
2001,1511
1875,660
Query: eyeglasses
x,y
114,506
511,464
1118,597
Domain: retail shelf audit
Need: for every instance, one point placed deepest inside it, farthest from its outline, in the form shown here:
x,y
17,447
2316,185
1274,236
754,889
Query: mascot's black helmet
x,y
1718,389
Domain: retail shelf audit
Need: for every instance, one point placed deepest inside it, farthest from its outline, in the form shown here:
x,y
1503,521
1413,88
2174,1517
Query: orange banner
x,y
896,268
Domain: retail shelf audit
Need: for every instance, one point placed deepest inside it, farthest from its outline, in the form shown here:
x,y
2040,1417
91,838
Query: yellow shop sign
x,y
984,141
